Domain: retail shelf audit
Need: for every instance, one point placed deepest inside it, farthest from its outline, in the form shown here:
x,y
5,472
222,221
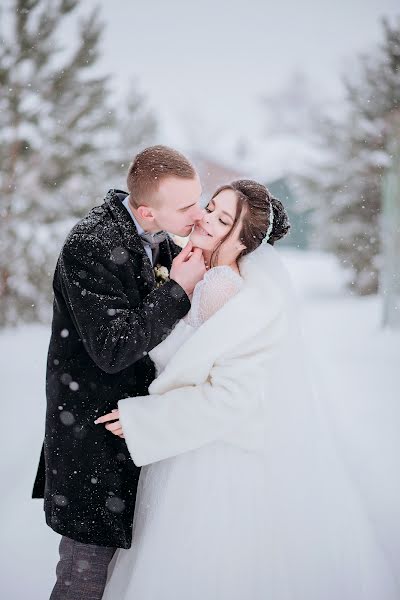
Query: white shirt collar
x,y
128,208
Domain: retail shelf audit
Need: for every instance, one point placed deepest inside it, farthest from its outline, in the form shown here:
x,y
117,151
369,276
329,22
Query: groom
x,y
108,314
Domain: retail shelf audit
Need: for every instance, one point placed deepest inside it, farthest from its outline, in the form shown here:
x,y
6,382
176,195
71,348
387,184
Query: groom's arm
x,y
115,335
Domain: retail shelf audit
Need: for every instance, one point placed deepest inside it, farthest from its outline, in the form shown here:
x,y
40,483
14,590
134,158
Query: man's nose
x,y
199,214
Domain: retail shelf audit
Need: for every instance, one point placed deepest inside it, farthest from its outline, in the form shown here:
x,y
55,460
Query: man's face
x,y
177,205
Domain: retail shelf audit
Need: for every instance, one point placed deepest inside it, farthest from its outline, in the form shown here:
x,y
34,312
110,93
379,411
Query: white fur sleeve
x,y
162,353
159,426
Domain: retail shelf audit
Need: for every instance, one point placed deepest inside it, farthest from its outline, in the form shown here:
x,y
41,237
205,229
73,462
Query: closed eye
x,y
187,207
220,220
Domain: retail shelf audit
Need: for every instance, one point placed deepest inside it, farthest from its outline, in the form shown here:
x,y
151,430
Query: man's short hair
x,y
150,167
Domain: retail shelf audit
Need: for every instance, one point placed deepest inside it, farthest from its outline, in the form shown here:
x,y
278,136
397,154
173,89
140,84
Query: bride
x,y
242,494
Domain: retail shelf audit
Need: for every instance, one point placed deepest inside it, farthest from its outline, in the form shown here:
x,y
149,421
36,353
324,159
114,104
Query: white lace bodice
x,y
218,285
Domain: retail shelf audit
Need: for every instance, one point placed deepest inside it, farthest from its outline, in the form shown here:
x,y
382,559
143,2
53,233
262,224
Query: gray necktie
x,y
154,240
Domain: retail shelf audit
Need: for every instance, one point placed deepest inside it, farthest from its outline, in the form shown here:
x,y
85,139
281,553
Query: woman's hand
x,y
113,423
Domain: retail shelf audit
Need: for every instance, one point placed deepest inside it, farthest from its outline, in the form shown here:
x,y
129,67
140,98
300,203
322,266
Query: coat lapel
x,y
132,241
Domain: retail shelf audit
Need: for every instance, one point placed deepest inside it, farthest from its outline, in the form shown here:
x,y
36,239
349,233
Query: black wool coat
x,y
108,314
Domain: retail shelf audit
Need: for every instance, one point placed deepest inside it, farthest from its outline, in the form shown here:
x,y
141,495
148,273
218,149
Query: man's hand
x,y
113,423
188,268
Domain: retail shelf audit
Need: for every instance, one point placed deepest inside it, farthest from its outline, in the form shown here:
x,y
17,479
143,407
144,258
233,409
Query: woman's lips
x,y
201,231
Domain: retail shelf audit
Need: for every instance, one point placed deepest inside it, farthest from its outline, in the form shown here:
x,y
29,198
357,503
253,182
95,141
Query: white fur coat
x,y
211,380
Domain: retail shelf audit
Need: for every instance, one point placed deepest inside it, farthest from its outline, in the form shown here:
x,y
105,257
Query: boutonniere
x,y
161,275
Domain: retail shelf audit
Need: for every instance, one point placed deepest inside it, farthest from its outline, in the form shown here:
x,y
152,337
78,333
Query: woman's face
x,y
216,223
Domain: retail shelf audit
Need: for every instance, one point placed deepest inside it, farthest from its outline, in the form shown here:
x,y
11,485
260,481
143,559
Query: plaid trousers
x,y
81,571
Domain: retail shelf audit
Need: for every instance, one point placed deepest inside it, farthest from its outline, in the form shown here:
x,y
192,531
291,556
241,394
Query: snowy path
x,y
357,358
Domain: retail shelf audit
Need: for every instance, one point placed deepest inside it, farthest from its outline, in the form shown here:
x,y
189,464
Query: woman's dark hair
x,y
254,201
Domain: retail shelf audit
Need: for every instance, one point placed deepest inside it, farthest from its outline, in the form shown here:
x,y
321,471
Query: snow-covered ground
x,y
356,359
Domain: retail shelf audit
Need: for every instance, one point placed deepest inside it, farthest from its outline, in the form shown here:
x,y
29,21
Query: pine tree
x,y
136,128
54,121
346,184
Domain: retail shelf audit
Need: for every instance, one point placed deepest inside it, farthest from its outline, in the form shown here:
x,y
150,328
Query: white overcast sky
x,y
212,59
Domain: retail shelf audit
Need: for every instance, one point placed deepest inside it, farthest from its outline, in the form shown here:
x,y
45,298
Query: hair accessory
x,y
271,224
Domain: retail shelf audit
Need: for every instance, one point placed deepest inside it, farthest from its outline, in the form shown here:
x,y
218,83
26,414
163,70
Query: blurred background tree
x,y
345,183
59,143
136,127
65,140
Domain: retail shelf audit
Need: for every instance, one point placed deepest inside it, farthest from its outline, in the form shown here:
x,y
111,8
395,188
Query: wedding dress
x,y
224,523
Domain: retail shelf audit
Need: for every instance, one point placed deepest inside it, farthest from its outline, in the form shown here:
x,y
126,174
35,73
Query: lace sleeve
x,y
217,287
